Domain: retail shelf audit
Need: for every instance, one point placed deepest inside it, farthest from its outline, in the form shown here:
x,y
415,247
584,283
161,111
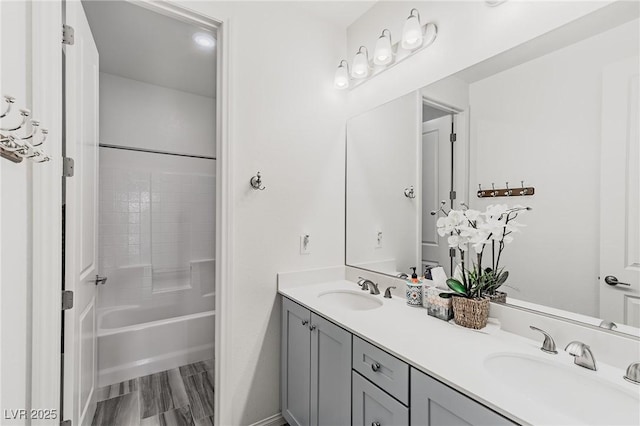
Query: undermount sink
x,y
352,300
566,389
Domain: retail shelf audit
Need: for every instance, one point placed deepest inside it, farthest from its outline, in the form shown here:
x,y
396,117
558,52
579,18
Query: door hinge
x,y
453,137
452,195
452,252
67,167
67,300
67,34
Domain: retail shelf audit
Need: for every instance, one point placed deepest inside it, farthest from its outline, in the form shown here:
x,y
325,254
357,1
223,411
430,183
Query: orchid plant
x,y
471,228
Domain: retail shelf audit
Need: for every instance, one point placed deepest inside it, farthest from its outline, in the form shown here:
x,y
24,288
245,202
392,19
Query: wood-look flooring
x,y
182,396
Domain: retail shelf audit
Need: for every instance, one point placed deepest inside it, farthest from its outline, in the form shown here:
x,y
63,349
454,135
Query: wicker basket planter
x,y
498,296
471,313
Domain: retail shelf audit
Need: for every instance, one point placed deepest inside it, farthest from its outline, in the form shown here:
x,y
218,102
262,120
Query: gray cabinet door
x,y
435,404
374,407
296,363
330,373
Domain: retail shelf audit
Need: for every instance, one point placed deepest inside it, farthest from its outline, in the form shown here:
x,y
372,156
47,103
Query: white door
x,y
620,194
436,184
81,238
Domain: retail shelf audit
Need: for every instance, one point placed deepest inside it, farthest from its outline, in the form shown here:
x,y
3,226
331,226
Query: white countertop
x,y
449,353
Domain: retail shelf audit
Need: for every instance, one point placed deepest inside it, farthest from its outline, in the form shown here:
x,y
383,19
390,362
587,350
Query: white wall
x,y
142,115
540,122
287,121
15,227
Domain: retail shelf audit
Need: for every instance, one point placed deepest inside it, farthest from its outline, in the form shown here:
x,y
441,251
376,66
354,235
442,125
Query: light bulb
x,y
360,66
204,40
341,80
383,54
412,31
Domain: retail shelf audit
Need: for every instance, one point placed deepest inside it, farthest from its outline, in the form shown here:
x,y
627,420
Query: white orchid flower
x,y
456,217
496,211
472,214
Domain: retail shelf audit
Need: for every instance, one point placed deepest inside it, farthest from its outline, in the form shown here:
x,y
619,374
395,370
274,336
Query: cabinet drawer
x,y
385,370
371,406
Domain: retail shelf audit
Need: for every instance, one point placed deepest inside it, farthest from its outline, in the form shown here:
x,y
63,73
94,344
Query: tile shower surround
x,y
152,226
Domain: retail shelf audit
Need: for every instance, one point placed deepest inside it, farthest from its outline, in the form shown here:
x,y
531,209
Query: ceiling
x,y
137,43
342,13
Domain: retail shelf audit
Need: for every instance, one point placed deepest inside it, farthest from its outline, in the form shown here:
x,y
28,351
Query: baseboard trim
x,y
275,420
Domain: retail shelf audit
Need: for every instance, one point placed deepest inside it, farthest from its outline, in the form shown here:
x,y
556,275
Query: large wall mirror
x,y
559,114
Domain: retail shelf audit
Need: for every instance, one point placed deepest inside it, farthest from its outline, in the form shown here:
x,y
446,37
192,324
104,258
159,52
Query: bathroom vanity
x,y
349,357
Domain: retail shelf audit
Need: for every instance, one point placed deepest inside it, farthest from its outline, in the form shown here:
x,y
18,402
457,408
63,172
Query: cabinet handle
x,y
305,322
312,327
375,424
375,366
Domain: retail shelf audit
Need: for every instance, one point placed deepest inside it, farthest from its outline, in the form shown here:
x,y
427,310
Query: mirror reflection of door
x,y
436,181
619,192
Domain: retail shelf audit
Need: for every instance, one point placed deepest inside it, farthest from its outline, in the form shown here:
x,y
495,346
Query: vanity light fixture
x,y
415,37
383,54
412,36
360,66
341,80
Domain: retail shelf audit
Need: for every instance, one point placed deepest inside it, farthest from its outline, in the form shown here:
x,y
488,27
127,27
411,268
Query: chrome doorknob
x,y
611,280
375,366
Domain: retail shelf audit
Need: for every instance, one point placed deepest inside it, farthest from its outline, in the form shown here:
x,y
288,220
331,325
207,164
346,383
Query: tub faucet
x,y
582,355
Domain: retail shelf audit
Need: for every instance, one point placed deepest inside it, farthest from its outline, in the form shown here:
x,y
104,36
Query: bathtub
x,y
134,342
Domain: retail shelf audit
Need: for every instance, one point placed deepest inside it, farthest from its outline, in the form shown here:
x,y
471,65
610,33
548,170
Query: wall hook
x,y
256,182
524,190
409,192
9,100
507,191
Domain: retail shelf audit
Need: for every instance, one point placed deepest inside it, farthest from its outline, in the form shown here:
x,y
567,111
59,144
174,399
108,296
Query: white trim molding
x,y
46,212
275,420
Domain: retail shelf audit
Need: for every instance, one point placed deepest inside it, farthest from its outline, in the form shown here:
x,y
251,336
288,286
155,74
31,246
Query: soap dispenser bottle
x,y
414,290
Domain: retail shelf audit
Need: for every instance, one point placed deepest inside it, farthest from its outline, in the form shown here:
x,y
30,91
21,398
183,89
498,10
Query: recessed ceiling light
x,y
204,40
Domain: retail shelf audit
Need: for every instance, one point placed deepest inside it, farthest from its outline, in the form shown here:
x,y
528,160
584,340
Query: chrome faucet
x,y
364,283
373,288
548,346
582,355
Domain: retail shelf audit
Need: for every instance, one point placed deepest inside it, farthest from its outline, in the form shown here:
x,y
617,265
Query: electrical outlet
x,y
305,244
378,240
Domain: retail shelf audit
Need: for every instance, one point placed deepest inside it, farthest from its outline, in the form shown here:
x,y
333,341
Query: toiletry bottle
x,y
414,290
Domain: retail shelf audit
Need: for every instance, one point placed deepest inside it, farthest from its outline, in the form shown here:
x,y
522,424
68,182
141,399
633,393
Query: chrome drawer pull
x,y
305,322
375,424
375,366
312,327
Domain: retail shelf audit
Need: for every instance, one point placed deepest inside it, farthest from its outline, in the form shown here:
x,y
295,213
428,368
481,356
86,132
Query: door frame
x,y
47,206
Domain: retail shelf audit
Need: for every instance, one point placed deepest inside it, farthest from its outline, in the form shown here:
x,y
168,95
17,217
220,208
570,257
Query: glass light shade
x,y
360,64
412,33
341,80
383,55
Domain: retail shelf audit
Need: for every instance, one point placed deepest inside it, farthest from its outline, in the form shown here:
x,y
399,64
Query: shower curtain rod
x,y
152,151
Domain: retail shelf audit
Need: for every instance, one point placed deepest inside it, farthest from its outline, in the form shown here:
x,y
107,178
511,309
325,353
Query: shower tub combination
x,y
134,342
